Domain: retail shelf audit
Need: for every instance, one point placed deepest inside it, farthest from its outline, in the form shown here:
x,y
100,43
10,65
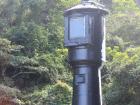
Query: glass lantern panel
x,y
77,27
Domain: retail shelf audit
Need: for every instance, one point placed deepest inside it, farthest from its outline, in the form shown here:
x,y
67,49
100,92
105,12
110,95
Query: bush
x,y
60,94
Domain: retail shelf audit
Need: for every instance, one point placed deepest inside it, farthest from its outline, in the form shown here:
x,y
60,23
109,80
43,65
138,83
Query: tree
x,y
32,36
121,77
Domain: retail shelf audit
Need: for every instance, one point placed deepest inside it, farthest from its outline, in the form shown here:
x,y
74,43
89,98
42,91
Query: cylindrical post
x,y
86,84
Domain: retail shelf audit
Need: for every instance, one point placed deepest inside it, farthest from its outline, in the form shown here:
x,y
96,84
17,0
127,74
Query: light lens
x,y
77,28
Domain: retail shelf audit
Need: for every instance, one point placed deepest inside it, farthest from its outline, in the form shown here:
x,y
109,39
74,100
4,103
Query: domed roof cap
x,y
87,7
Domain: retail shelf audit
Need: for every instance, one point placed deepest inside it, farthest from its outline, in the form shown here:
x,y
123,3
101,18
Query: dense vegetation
x,y
33,60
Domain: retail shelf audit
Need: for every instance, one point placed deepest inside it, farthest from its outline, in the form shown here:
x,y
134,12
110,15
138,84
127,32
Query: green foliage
x,y
33,58
32,36
124,17
57,64
115,41
124,6
38,94
123,73
9,91
6,49
58,94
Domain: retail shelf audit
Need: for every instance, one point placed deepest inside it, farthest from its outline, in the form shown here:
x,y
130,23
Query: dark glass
x,y
77,27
